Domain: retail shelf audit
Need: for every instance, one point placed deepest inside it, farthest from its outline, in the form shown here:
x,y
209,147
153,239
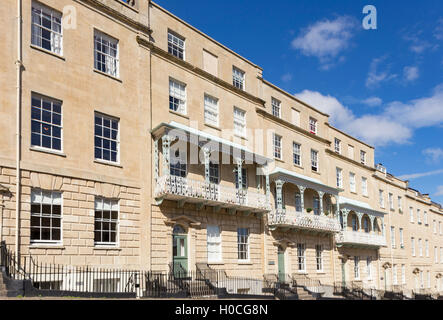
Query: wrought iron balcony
x,y
300,220
191,191
360,239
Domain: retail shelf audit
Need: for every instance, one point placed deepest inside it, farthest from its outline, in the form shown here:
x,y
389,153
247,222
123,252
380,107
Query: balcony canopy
x,y
204,139
299,179
358,206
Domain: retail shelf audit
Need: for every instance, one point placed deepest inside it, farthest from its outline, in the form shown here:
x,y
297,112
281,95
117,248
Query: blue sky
x,y
384,86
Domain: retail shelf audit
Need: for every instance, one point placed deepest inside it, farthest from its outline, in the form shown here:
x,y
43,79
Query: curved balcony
x,y
200,192
304,221
358,239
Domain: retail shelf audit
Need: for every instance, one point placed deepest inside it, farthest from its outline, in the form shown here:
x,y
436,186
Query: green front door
x,y
180,252
281,264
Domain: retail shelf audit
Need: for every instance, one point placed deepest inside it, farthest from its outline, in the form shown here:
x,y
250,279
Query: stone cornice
x,y
117,15
389,182
349,136
162,53
292,126
417,199
332,153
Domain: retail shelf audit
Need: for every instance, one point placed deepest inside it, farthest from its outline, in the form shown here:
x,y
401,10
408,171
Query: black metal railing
x,y
11,264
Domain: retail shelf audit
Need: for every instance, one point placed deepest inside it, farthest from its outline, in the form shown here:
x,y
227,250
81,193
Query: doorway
x,y
180,252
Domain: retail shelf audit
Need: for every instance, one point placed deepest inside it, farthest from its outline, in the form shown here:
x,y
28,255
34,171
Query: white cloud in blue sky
x,y
326,39
379,72
411,73
434,155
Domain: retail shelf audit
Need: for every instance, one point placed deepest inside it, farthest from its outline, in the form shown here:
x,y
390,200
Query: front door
x,y
180,252
281,264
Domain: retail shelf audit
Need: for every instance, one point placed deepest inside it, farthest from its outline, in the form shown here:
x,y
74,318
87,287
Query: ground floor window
x,y
214,244
243,243
301,259
319,257
46,216
106,221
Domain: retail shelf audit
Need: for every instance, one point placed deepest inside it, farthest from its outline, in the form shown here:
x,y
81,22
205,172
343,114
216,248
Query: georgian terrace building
x,y
140,142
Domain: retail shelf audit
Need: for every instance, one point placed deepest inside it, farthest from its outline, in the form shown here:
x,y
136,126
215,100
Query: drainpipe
x,y
18,64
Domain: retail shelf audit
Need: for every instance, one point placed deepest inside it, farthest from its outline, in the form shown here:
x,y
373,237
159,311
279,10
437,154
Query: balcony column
x,y
372,218
337,207
383,226
239,162
207,154
360,216
320,196
166,143
302,197
156,164
268,189
345,213
279,187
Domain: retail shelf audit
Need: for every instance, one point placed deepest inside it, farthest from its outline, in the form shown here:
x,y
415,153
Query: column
x,y
372,218
345,213
320,196
383,226
337,207
360,216
207,154
302,197
166,143
268,189
156,164
279,187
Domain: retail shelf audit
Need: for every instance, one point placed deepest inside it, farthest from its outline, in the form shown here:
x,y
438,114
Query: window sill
x,y
108,163
316,172
49,151
279,160
178,114
297,166
245,263
212,126
105,248
108,75
321,272
46,246
47,52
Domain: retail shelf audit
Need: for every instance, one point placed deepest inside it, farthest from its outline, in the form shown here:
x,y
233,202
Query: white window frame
x,y
239,122
41,123
413,246
110,139
211,110
394,275
391,201
362,157
296,154
393,244
176,45
240,236
400,204
112,203
357,268
111,64
319,257
339,176
313,125
418,216
411,214
314,161
56,29
435,226
402,244
301,257
364,186
352,186
277,146
436,254
425,217
177,90
51,198
381,198
214,256
420,247
276,107
337,145
427,248
238,78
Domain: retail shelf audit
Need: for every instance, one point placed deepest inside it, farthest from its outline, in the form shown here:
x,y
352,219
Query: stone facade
x,y
304,207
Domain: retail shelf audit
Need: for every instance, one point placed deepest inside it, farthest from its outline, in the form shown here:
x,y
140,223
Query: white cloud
x,y
375,76
433,154
373,101
395,124
439,191
326,39
418,45
438,32
420,175
410,73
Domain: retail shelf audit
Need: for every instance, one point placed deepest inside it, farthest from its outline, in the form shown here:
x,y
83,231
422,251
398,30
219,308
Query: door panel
x,y
180,255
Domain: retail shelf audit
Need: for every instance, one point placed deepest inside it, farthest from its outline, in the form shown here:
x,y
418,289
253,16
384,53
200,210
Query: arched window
x,y
366,224
354,223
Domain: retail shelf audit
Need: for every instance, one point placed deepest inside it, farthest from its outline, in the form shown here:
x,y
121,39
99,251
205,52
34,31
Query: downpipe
x,y
19,66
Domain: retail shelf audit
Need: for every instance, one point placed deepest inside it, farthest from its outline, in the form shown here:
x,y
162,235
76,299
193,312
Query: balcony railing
x,y
360,238
178,188
303,220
